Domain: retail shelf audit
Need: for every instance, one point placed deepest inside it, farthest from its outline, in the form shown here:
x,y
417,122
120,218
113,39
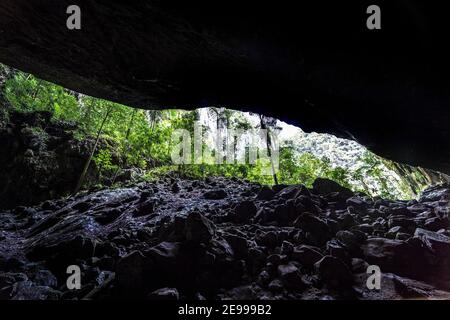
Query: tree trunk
x,y
269,148
127,148
91,155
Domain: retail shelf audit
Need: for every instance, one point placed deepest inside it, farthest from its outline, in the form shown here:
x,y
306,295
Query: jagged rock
x,y
326,186
392,233
198,246
266,193
268,239
276,285
336,249
402,221
317,230
287,248
292,192
107,248
198,228
278,187
334,273
435,193
402,236
306,255
349,239
284,214
399,211
291,277
108,215
399,257
41,159
357,202
164,254
263,278
311,223
346,220
358,265
82,206
7,282
305,203
145,208
436,223
175,187
130,273
238,244
394,287
366,228
438,243
256,259
45,278
218,194
26,290
412,289
275,259
244,211
164,294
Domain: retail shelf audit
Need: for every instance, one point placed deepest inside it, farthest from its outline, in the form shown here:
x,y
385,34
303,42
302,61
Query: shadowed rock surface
x,y
149,242
315,65
41,159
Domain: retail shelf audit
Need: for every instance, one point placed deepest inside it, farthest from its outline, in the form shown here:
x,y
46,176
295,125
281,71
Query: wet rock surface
x,y
227,239
41,159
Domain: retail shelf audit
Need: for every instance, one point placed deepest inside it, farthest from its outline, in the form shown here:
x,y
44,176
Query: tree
x,y
127,144
94,148
269,124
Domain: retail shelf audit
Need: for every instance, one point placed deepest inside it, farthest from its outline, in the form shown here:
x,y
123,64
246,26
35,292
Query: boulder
x,y
334,273
244,211
408,259
266,193
217,194
238,244
291,277
198,228
325,186
306,255
436,223
164,294
130,273
317,230
438,243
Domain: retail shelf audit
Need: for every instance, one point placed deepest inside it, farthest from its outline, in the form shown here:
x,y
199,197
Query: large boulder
x,y
198,228
244,211
326,186
334,273
409,259
130,273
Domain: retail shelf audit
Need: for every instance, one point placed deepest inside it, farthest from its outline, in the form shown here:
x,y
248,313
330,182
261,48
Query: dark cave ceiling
x,y
313,65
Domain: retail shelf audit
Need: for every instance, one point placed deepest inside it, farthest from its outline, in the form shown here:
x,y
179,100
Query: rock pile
x,y
40,159
227,239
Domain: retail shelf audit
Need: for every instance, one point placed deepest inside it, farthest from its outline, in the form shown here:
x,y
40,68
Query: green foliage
x,y
143,140
103,161
27,93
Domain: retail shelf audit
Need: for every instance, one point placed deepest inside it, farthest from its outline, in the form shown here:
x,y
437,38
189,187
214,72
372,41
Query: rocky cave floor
x,y
227,239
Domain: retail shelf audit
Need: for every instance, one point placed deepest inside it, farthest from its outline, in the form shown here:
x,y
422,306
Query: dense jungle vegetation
x,y
141,140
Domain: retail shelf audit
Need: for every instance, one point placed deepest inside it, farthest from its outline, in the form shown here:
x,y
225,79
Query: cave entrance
x,y
63,141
